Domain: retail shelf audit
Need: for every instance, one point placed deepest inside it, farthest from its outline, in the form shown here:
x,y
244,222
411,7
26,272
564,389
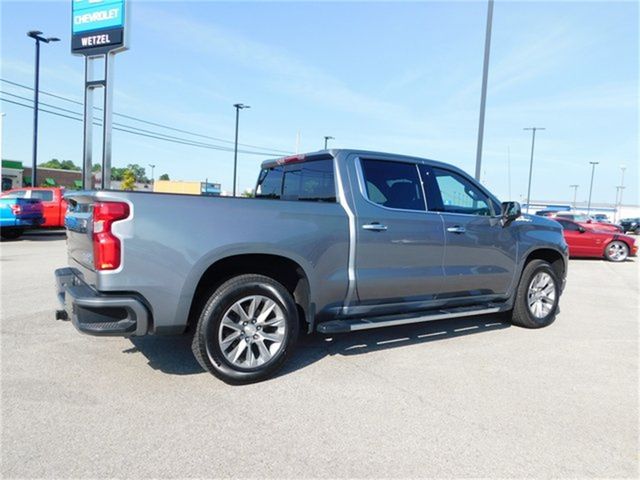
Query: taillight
x,y
106,246
16,209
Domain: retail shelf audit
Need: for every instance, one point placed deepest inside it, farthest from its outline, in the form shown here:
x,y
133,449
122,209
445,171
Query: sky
x,y
396,77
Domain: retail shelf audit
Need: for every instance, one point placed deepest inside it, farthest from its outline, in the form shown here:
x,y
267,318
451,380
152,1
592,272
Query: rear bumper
x,y
93,313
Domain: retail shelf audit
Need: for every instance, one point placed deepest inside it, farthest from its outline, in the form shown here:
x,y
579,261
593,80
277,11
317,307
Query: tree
x,y
248,194
129,180
138,172
164,176
96,167
117,174
60,165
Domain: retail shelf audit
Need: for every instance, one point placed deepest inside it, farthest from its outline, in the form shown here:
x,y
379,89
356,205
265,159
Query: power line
x,y
143,133
137,119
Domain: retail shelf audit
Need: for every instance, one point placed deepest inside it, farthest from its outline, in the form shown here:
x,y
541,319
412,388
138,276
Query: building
x,y
15,175
189,188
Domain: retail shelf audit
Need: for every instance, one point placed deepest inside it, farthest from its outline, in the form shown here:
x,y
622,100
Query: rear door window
x,y
393,184
44,195
16,194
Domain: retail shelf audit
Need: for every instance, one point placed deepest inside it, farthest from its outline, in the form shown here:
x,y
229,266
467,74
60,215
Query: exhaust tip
x,y
61,315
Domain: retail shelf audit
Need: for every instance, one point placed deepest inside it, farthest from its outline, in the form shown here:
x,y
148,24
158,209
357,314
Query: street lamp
x,y
593,169
2,115
37,36
326,139
152,175
483,94
238,107
575,194
533,142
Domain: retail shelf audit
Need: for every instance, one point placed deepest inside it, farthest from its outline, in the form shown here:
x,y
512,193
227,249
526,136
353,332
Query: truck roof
x,y
342,152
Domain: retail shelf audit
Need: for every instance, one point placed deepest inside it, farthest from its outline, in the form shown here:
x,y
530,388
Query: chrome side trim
x,y
425,318
351,269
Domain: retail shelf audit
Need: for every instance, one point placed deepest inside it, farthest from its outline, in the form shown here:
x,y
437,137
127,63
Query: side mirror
x,y
582,229
510,211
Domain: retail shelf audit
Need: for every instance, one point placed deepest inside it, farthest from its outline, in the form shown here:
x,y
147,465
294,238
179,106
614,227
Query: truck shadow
x,y
173,356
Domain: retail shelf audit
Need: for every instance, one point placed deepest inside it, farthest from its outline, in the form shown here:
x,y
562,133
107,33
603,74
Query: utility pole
x,y
575,194
37,36
238,107
623,168
326,139
153,178
533,143
483,96
593,170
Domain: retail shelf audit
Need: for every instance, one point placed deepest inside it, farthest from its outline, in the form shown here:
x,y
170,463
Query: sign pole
x,y
87,148
107,120
98,31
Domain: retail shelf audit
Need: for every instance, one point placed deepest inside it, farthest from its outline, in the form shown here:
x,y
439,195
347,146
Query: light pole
x,y
593,170
37,36
575,194
153,178
623,168
483,96
238,107
533,143
2,115
326,139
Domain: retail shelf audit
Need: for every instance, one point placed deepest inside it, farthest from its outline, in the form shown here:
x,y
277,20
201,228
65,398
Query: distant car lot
x,y
470,397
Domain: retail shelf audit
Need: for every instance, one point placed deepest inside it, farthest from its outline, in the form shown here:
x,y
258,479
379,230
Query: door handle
x,y
456,229
375,227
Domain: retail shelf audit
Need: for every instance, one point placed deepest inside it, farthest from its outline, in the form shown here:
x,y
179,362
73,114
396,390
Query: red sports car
x,y
588,222
591,242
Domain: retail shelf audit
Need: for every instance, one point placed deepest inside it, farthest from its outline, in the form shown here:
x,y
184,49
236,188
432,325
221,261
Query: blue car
x,y
17,214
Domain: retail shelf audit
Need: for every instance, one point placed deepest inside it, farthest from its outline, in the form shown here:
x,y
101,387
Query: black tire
x,y
10,233
206,346
521,314
621,253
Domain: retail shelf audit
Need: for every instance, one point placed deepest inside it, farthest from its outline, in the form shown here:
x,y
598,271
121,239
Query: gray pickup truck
x,y
335,241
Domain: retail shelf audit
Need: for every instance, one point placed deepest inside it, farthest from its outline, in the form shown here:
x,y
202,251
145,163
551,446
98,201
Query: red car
x,y
588,222
53,203
593,242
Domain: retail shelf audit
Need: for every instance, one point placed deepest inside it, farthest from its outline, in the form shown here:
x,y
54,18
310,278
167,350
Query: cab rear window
x,y
311,181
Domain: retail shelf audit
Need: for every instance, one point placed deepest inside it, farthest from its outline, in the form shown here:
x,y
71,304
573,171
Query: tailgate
x,y
79,224
29,208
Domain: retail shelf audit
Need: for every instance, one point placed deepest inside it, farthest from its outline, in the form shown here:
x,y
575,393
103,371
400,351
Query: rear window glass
x,y
44,195
270,183
312,181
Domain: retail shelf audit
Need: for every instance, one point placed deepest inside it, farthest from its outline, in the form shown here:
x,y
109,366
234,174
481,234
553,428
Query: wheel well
x,y
553,257
283,270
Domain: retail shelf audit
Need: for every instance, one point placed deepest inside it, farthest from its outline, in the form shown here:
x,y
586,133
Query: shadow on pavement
x,y
172,355
38,236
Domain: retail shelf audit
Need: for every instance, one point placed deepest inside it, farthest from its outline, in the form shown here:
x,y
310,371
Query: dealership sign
x,y
98,26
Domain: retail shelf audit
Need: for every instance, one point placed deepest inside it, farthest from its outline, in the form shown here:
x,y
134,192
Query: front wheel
x,y
536,303
616,251
246,330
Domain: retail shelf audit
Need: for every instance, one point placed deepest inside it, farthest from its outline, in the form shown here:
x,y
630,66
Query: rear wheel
x,y
536,303
246,330
616,251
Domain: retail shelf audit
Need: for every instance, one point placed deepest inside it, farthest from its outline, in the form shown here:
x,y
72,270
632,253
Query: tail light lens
x,y
106,246
16,209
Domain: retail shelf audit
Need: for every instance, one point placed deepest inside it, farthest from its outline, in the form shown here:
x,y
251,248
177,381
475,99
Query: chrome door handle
x,y
456,229
376,227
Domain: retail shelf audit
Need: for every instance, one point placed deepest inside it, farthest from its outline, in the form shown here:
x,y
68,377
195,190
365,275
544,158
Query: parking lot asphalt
x,y
472,397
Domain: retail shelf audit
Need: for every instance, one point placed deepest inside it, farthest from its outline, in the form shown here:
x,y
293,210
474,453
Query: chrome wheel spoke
x,y
227,322
267,308
273,337
265,354
229,340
